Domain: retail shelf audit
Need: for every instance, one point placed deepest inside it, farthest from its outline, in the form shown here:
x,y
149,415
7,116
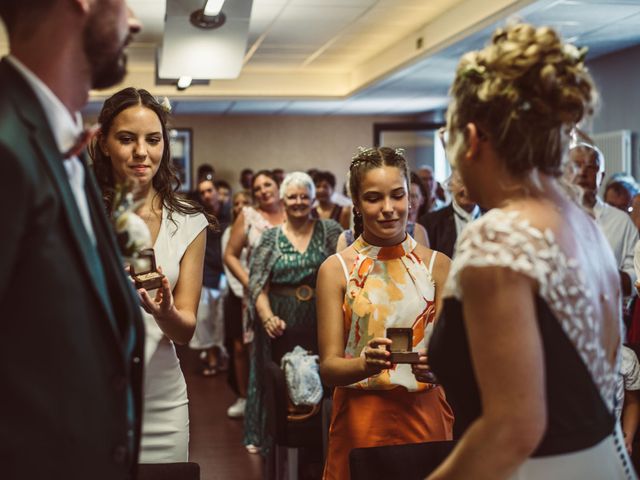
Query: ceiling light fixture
x,y
210,16
213,7
184,83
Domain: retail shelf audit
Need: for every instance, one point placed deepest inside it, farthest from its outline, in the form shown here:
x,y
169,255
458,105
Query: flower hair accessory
x,y
165,104
131,231
573,53
363,154
474,71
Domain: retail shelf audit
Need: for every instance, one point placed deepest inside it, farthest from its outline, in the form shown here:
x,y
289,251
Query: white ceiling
x,y
332,57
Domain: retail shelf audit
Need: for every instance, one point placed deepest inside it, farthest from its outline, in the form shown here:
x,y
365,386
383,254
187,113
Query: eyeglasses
x,y
443,135
302,197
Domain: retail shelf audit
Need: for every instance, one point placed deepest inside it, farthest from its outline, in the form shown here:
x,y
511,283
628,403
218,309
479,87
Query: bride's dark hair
x,y
166,181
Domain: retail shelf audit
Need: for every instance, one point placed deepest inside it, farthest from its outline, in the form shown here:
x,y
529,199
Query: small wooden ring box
x,y
402,345
148,276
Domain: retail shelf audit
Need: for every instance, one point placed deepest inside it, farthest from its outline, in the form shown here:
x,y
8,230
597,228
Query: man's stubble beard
x,y
108,62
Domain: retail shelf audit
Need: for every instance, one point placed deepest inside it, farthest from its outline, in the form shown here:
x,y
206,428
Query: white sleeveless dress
x,y
165,421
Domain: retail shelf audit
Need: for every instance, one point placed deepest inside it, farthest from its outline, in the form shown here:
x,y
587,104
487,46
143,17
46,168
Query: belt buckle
x,y
304,293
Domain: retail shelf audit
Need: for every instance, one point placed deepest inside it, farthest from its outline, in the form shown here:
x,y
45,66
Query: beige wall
x,y
231,143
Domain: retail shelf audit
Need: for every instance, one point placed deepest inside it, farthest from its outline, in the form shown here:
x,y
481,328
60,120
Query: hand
x,y
376,358
422,371
162,305
127,269
628,442
274,326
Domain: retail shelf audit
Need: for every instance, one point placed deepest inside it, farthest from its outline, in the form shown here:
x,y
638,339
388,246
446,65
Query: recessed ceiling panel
x,y
203,53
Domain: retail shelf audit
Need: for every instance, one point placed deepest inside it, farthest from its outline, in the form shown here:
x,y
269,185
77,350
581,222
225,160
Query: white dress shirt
x,y
462,217
66,130
621,234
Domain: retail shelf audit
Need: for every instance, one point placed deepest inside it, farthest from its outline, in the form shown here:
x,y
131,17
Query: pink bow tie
x,y
82,141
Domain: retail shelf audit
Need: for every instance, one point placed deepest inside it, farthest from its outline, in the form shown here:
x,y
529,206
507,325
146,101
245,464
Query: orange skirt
x,y
373,418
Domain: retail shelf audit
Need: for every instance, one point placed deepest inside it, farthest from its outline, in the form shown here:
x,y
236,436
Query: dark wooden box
x,y
147,276
402,345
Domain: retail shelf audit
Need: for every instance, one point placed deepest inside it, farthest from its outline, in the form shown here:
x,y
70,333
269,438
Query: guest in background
x,y
635,211
247,229
384,279
441,193
239,355
133,145
445,225
586,170
282,284
325,208
417,200
209,333
620,191
279,174
432,202
628,396
527,345
205,172
224,196
246,179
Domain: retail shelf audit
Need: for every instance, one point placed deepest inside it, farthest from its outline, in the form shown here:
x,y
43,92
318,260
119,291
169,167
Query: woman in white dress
x,y
133,145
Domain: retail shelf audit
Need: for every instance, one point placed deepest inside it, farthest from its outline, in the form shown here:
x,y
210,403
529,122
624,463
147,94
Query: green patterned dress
x,y
277,262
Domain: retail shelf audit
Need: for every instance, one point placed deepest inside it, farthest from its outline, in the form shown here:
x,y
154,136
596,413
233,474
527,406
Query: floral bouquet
x,y
131,232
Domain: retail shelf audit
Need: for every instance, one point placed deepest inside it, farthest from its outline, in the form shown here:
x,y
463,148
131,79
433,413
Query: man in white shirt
x,y
587,163
445,225
69,321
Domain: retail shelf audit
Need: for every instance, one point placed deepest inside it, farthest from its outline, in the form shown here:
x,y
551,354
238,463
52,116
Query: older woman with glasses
x,y
282,282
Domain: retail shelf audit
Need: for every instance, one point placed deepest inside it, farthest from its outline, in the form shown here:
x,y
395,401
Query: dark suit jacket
x,y
70,325
441,229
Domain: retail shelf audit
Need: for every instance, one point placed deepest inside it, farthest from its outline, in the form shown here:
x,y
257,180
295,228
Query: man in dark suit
x,y
72,336
443,226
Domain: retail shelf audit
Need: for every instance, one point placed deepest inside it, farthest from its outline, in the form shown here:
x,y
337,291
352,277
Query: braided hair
x,y
365,160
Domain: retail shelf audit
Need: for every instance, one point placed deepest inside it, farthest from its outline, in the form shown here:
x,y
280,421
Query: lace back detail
x,y
504,239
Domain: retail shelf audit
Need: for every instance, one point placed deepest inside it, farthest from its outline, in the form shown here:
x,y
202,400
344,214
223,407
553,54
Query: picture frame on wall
x,y
181,141
420,144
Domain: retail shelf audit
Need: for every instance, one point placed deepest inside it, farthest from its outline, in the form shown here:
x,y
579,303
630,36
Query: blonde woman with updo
x,y
384,279
528,343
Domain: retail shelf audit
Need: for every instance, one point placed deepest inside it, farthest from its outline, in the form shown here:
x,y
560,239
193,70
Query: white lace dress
x,y
165,421
581,348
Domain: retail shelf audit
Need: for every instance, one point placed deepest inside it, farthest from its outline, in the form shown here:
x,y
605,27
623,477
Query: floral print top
x,y
388,287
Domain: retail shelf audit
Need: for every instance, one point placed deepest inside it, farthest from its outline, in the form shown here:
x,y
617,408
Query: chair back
x,y
169,471
411,461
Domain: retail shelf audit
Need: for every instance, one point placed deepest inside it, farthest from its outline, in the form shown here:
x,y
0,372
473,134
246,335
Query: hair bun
x,y
526,83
